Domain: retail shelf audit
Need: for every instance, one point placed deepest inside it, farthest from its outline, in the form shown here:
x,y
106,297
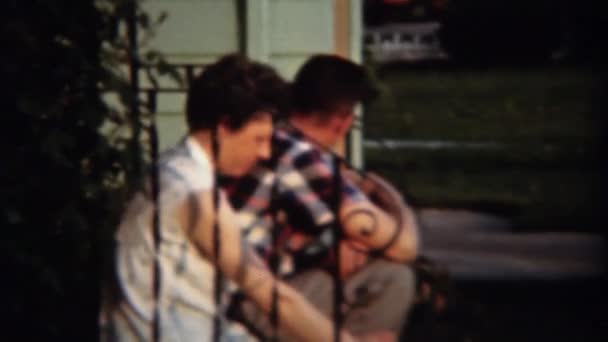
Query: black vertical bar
x,y
134,66
241,15
218,279
338,289
275,259
156,229
189,75
151,93
349,147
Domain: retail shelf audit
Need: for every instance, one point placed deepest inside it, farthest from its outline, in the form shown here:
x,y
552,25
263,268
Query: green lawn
x,y
545,171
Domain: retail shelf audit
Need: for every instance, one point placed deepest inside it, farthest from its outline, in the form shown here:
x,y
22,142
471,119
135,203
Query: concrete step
x,y
481,246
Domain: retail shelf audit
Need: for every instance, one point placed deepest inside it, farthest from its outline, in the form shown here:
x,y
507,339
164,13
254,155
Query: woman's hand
x,y
352,259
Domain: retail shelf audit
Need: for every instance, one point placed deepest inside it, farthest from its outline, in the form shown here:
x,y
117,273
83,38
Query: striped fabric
x,y
297,180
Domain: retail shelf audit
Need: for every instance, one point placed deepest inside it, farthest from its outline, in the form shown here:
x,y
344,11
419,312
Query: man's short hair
x,y
326,81
232,90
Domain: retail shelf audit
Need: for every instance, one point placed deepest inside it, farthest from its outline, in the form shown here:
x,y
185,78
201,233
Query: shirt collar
x,y
197,152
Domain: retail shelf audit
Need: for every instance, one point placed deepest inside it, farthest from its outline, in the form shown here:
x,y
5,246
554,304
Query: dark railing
x,y
188,70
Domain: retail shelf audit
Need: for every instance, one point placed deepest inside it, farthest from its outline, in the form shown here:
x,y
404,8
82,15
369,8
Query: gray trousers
x,y
378,297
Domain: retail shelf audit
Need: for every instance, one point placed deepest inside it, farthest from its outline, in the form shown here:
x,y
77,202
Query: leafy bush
x,y
71,160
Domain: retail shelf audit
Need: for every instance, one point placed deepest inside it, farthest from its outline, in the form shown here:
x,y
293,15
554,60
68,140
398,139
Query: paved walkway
x,y
481,246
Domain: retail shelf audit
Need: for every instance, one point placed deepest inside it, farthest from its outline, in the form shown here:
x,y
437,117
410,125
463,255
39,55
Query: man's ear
x,y
345,124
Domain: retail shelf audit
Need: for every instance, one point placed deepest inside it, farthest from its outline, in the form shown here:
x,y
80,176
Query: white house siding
x,y
283,33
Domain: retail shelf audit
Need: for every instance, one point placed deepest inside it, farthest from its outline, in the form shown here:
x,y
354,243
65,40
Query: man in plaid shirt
x,y
296,193
297,180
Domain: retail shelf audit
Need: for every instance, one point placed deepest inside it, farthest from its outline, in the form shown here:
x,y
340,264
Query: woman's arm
x,y
239,262
388,223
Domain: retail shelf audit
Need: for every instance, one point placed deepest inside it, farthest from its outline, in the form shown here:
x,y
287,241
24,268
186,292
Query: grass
x,y
547,173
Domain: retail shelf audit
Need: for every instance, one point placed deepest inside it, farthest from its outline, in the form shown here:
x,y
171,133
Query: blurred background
x,y
491,121
491,105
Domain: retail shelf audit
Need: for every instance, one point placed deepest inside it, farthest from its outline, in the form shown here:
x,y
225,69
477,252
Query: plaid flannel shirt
x,y
296,180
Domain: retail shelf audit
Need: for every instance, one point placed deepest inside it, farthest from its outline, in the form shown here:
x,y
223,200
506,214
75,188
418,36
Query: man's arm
x,y
389,227
239,262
